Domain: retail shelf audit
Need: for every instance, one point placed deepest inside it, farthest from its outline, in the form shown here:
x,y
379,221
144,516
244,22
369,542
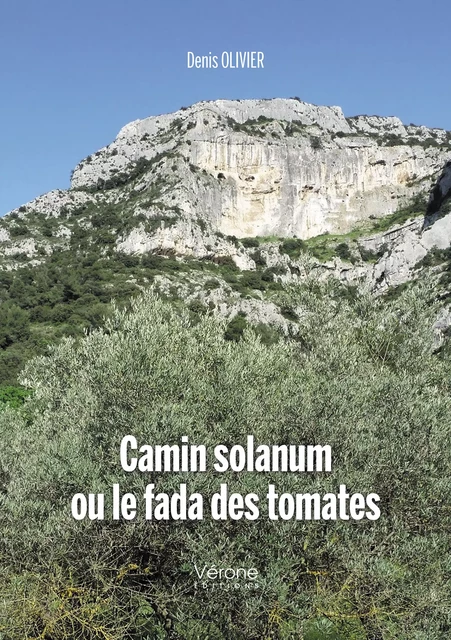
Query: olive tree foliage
x,y
360,375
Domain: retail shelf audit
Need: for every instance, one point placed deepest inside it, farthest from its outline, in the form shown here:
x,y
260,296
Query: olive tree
x,y
361,376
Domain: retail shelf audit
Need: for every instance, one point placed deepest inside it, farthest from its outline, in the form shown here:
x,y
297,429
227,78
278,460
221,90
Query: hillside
x,y
223,205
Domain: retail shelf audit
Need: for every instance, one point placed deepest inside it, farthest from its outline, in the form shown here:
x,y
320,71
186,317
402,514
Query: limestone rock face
x,y
278,167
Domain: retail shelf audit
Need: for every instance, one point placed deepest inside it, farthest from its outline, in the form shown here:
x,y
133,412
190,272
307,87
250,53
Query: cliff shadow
x,y
440,193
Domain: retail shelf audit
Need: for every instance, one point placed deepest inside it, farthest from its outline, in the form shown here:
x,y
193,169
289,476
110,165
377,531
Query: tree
x,y
14,324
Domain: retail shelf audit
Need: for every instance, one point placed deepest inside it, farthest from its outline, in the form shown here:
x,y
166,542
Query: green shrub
x,y
18,229
362,378
226,261
13,397
14,324
342,250
152,261
434,257
368,255
268,335
292,247
250,243
236,327
196,306
259,260
127,259
316,143
211,283
252,280
233,239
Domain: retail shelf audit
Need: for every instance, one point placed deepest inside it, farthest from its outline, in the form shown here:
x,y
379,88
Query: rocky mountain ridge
x,y
186,181
278,167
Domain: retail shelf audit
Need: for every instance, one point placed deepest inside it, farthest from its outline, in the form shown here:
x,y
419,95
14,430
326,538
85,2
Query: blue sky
x,y
73,73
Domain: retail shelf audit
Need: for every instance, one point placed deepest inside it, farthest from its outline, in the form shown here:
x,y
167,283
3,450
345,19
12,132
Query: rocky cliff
x,y
196,180
277,167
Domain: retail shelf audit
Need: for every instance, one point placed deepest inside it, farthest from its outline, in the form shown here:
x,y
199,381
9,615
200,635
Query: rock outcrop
x,y
277,167
194,181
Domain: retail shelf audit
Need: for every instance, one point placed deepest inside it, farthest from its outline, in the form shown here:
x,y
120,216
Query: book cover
x,y
225,277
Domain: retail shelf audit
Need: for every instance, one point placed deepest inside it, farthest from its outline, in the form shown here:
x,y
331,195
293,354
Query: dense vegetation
x,y
363,376
70,291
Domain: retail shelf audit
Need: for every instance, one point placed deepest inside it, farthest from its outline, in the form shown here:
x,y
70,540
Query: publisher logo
x,y
212,577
